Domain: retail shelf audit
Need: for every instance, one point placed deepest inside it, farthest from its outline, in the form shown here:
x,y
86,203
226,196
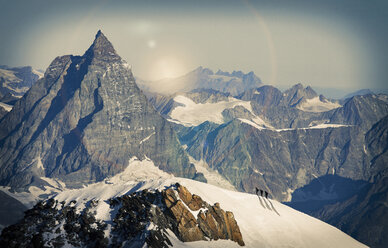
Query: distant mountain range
x,y
14,83
87,135
234,83
17,80
285,141
358,93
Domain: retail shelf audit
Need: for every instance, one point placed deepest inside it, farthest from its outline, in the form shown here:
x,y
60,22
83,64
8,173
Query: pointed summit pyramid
x,y
82,122
102,48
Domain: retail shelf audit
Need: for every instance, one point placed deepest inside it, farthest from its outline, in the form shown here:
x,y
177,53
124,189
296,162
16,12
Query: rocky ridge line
x,y
139,218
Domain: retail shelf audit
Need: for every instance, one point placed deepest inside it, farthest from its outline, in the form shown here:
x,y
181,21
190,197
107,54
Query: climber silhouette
x,y
259,190
266,194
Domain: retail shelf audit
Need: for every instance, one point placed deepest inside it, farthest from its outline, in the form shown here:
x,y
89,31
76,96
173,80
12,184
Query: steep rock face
x,y
83,121
277,160
264,96
207,96
9,99
3,112
364,215
297,93
363,111
376,144
281,110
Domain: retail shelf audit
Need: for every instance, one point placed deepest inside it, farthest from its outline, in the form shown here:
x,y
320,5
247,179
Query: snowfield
x,y
212,176
7,107
319,126
316,105
263,222
193,114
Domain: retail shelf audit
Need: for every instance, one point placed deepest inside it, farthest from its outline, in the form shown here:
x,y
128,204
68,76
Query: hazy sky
x,y
326,44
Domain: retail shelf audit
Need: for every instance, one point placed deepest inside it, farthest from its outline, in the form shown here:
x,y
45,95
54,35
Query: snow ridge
x,y
263,222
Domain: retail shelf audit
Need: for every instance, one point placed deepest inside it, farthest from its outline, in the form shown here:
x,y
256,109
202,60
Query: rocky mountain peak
x,y
83,122
203,71
298,92
102,48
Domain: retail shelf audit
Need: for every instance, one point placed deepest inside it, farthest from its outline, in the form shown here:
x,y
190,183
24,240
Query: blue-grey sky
x,y
326,44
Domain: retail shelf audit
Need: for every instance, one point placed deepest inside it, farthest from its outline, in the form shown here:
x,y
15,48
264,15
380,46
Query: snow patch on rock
x,y
193,114
7,107
316,105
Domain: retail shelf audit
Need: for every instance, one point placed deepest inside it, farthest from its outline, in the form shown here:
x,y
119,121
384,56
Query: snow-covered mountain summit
x,y
98,210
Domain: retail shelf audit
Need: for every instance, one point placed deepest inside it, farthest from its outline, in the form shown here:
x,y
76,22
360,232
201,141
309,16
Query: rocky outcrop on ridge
x,y
139,218
212,222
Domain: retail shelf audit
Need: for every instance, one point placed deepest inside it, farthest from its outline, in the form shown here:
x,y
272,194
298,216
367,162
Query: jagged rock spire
x,y
102,48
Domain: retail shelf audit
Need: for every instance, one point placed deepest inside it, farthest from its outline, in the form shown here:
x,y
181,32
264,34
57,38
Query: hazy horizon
x,y
322,44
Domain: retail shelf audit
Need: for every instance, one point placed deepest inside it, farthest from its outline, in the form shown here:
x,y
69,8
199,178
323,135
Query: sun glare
x,y
168,67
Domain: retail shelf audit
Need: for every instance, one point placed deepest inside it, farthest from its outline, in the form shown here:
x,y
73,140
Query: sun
x,y
168,67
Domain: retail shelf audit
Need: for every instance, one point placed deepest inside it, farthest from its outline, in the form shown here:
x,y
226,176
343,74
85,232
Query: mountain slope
x,y
358,93
82,122
11,210
363,111
365,215
262,222
278,160
296,107
332,167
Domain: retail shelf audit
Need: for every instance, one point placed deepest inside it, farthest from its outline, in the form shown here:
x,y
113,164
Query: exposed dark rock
x,y
363,111
3,112
213,222
9,99
364,214
276,161
78,229
138,219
